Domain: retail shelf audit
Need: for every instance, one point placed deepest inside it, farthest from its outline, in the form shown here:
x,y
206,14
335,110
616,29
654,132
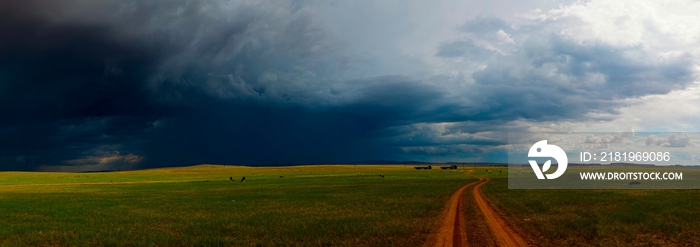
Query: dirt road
x,y
450,231
504,235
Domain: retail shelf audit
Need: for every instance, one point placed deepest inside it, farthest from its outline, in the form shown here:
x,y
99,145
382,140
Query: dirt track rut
x,y
450,230
504,235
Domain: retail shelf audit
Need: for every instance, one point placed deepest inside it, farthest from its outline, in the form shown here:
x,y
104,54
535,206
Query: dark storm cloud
x,y
66,88
71,71
445,150
243,88
77,87
128,84
255,134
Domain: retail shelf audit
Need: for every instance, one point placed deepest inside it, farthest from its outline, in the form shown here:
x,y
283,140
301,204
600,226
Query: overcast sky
x,y
94,85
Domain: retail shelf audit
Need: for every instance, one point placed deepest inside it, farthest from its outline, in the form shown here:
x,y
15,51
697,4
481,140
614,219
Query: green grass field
x,y
600,217
320,206
198,206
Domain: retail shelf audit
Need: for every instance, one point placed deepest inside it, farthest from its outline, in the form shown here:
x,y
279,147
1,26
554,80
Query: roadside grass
x,y
197,206
599,217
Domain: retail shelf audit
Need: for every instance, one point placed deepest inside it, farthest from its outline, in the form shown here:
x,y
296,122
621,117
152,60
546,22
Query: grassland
x,y
321,206
600,217
198,206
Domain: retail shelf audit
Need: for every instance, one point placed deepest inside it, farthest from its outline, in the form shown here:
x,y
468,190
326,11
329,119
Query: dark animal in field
x,y
230,179
243,179
381,175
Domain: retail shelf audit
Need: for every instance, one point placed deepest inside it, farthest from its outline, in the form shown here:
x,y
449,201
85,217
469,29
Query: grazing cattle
x,y
381,175
242,179
230,179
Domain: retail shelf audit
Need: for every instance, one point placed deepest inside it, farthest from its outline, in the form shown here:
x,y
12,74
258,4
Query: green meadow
x,y
321,206
602,217
198,206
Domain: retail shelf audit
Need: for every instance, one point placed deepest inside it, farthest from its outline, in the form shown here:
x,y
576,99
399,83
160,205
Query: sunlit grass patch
x,y
306,205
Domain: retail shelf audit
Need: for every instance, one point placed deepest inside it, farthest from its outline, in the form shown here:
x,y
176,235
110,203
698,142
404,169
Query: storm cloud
x,y
132,84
